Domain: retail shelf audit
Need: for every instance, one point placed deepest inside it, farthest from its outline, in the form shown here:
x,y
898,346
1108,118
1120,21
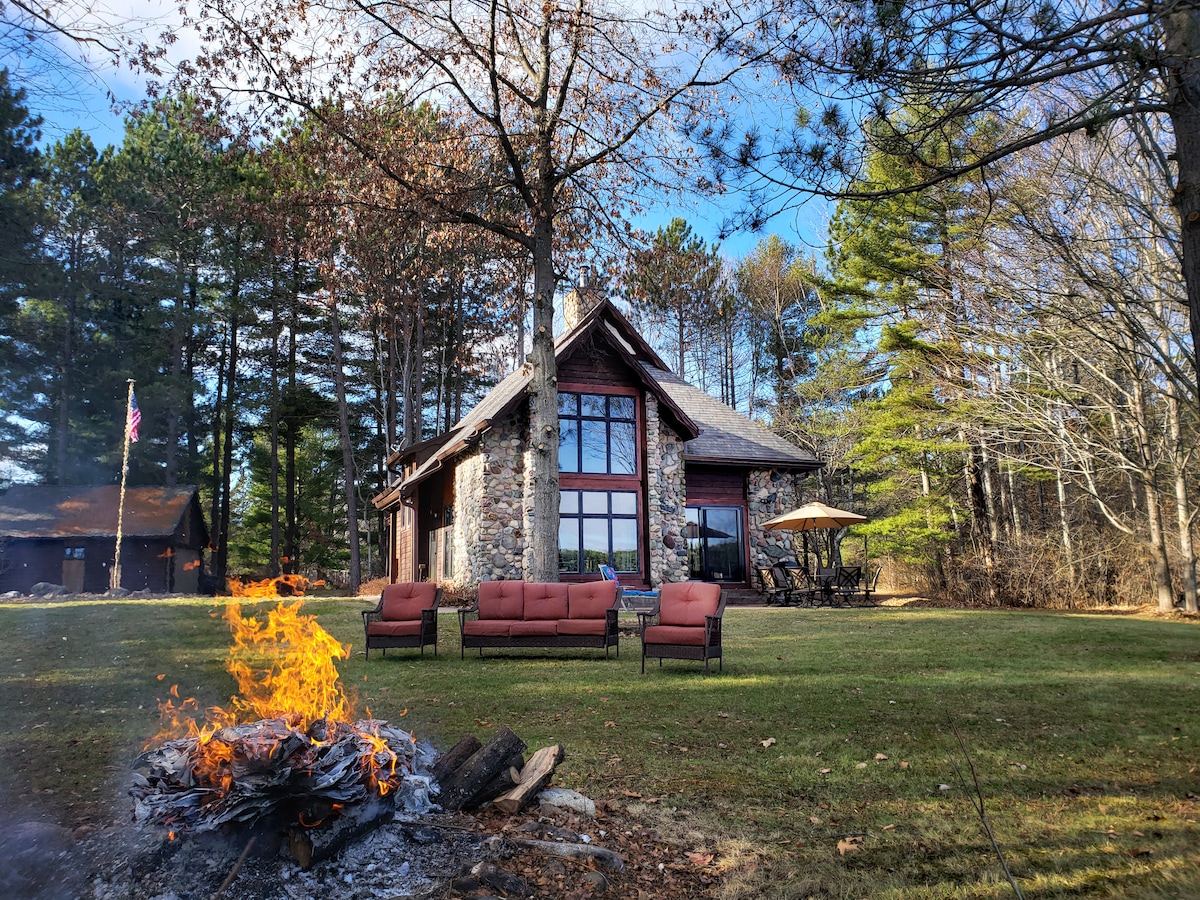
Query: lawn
x,y
822,762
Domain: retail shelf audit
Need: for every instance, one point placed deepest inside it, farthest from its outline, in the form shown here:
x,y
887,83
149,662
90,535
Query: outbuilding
x,y
67,535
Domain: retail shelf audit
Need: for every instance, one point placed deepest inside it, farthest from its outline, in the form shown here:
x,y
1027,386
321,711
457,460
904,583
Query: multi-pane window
x,y
597,528
597,434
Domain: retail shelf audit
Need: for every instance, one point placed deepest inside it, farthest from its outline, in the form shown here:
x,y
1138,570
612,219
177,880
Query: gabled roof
x,y
726,436
712,431
55,511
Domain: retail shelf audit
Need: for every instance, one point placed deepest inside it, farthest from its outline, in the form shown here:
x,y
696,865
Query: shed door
x,y
72,573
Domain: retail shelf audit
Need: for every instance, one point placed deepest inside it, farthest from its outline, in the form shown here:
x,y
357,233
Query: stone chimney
x,y
583,298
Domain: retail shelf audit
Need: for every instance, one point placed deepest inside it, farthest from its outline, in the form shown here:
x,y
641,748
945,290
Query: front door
x,y
715,545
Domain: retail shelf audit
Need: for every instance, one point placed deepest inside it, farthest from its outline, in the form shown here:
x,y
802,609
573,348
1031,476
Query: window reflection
x,y
597,434
596,528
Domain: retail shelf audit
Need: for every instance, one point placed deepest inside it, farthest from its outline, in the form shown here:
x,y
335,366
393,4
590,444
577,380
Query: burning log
x,y
270,774
310,845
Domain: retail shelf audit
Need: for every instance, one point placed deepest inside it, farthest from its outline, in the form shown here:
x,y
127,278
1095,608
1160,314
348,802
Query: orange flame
x,y
194,564
280,586
284,665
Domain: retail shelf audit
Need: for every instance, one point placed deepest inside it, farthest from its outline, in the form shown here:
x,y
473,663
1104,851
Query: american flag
x,y
135,418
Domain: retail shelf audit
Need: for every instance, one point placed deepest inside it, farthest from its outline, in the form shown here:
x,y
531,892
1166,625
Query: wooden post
x,y
116,569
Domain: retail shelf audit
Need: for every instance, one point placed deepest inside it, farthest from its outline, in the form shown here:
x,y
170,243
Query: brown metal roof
x,y
53,511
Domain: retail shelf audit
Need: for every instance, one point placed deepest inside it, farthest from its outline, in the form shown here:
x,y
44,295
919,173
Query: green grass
x,y
1082,730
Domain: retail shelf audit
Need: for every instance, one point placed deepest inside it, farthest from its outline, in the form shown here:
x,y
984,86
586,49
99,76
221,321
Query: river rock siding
x,y
769,493
666,495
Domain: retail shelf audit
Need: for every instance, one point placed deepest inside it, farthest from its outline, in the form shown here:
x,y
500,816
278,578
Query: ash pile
x,y
267,811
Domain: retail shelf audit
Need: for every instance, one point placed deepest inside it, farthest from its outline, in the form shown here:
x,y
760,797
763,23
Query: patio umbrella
x,y
814,516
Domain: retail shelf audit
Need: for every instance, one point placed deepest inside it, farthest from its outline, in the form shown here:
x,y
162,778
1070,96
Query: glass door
x,y
715,545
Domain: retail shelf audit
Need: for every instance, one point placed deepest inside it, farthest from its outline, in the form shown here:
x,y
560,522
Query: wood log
x,y
309,846
604,858
454,757
535,776
461,787
505,780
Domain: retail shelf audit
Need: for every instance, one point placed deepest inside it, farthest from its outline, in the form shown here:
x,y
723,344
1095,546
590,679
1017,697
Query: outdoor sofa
x,y
526,614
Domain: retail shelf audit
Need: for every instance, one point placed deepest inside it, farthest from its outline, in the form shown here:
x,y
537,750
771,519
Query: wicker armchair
x,y
406,616
686,624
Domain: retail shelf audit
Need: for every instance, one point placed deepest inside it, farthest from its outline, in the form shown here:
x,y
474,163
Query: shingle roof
x,y
37,510
726,436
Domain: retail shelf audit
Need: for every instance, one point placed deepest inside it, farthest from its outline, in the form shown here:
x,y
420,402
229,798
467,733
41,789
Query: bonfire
x,y
287,755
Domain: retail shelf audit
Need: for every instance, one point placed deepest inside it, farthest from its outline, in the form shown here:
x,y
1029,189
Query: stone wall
x,y
489,507
770,493
667,499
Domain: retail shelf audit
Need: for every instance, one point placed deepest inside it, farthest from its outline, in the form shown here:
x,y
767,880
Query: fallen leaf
x,y
1103,810
904,764
849,845
943,787
881,756
860,766
814,820
404,712
826,771
610,724
700,859
769,742
888,827
722,715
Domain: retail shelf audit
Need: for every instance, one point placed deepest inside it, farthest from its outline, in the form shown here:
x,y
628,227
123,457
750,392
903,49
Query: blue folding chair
x,y
608,573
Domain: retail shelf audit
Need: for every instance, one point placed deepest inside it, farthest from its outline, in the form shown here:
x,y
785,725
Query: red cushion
x,y
539,627
590,599
488,627
394,629
687,602
501,599
581,626
545,601
674,634
406,599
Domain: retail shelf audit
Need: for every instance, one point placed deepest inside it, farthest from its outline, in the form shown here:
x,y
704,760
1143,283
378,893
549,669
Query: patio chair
x,y
803,586
847,582
771,587
685,625
870,583
647,598
406,616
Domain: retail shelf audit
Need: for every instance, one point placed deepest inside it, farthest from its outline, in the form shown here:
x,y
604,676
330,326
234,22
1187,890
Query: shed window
x,y
73,553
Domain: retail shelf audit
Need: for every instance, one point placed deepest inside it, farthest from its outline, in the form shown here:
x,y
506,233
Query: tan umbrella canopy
x,y
812,516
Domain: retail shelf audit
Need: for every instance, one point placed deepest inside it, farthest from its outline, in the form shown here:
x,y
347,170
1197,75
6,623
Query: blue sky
x,y
94,99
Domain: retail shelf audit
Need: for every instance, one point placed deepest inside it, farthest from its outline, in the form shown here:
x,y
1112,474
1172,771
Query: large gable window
x,y
597,434
597,528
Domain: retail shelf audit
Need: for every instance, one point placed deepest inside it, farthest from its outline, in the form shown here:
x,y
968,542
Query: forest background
x,y
991,357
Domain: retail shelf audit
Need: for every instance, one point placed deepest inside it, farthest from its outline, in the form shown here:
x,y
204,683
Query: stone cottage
x,y
657,478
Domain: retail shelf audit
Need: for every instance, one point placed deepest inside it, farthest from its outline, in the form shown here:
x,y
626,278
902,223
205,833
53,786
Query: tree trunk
x,y
222,560
339,383
542,481
1163,590
275,567
1182,41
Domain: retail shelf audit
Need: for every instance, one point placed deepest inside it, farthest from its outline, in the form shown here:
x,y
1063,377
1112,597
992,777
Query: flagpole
x,y
116,570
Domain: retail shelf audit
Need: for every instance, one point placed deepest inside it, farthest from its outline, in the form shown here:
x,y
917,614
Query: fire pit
x,y
284,761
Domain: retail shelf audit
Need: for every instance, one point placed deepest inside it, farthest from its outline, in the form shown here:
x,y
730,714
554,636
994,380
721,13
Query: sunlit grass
x,y
824,724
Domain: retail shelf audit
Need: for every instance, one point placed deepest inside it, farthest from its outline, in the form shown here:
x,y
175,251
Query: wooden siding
x,y
713,486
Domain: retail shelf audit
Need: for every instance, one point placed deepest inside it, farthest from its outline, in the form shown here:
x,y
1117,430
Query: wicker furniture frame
x,y
426,634
710,648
